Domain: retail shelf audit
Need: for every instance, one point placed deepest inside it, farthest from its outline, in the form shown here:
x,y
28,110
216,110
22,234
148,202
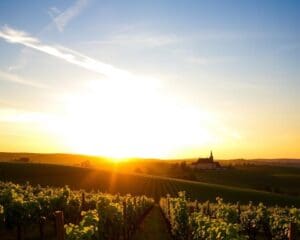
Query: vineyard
x,y
104,210
71,214
61,213
224,221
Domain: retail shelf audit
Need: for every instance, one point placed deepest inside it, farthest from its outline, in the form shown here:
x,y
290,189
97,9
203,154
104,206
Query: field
x,y
136,184
277,179
267,175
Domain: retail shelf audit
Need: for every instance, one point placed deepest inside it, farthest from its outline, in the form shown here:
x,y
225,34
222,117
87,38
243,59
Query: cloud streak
x,y
62,19
210,60
145,40
7,76
19,37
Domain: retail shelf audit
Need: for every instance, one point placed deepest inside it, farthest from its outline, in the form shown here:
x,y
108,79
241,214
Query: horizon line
x,y
149,158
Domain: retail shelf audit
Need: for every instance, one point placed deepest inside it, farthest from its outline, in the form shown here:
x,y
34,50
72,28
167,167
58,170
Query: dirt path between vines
x,y
153,227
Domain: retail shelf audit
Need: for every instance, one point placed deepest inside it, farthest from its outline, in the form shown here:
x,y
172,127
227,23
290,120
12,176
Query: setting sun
x,y
122,118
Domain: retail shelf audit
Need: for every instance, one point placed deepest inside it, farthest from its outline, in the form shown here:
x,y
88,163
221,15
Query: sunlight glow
x,y
129,118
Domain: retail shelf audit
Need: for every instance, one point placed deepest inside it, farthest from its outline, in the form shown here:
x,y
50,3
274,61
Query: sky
x,y
164,79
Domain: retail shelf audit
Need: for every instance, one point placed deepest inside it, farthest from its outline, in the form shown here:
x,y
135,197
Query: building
x,y
206,163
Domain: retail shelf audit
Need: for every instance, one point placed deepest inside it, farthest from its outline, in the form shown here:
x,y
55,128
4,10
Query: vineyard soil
x,y
153,227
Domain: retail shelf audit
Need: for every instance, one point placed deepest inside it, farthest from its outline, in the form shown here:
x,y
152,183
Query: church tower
x,y
211,157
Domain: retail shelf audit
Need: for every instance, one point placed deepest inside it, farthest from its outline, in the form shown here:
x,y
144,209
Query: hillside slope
x,y
114,182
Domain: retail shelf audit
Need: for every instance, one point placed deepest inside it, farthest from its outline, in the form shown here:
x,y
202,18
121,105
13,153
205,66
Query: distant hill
x,y
77,159
55,158
263,161
279,176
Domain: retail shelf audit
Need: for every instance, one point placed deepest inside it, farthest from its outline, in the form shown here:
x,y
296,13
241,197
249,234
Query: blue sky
x,y
234,62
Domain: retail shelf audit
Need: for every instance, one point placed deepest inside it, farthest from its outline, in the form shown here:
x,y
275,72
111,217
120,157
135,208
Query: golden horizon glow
x,y
135,118
128,118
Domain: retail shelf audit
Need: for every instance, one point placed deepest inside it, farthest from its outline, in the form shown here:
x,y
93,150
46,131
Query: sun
x,y
130,118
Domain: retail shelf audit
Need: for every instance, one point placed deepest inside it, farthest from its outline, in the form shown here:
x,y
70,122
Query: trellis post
x,y
292,231
83,201
20,235
59,222
125,220
42,224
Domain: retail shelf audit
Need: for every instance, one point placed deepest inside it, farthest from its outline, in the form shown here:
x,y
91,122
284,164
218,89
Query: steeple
x,y
211,157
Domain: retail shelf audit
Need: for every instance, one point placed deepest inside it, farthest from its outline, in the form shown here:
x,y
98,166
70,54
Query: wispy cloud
x,y
53,12
7,76
61,19
19,37
145,40
210,60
